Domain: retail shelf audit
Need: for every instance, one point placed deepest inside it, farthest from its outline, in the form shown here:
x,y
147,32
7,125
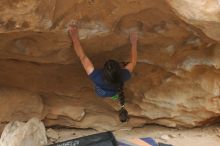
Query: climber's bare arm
x,y
133,38
87,64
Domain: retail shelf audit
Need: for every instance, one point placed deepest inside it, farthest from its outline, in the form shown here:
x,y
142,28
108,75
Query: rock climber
x,y
110,79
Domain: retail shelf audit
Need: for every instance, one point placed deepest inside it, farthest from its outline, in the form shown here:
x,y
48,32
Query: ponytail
x,y
112,75
123,113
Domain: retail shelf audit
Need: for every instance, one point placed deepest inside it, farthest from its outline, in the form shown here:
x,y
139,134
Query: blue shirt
x,y
101,87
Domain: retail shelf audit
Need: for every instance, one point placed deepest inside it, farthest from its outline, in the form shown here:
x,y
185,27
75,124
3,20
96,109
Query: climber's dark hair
x,y
112,72
112,75
123,113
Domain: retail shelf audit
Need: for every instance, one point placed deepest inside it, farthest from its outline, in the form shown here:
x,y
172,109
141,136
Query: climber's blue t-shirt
x,y
101,87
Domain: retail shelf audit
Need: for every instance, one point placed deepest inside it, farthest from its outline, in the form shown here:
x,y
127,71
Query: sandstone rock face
x,y
17,133
203,14
15,103
176,82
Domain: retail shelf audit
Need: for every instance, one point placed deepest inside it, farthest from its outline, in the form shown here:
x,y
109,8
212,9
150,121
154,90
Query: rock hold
x,y
17,133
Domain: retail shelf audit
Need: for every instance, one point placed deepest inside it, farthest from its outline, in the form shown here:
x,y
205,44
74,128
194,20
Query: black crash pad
x,y
101,139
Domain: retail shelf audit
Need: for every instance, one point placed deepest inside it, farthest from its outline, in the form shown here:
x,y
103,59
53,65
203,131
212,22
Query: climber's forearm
x,y
74,34
134,54
130,66
78,49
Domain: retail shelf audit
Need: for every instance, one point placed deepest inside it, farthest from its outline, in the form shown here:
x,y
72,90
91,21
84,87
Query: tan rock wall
x,y
175,83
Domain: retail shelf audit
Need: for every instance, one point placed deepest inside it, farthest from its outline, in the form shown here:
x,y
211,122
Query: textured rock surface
x,y
203,14
15,103
18,133
176,82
